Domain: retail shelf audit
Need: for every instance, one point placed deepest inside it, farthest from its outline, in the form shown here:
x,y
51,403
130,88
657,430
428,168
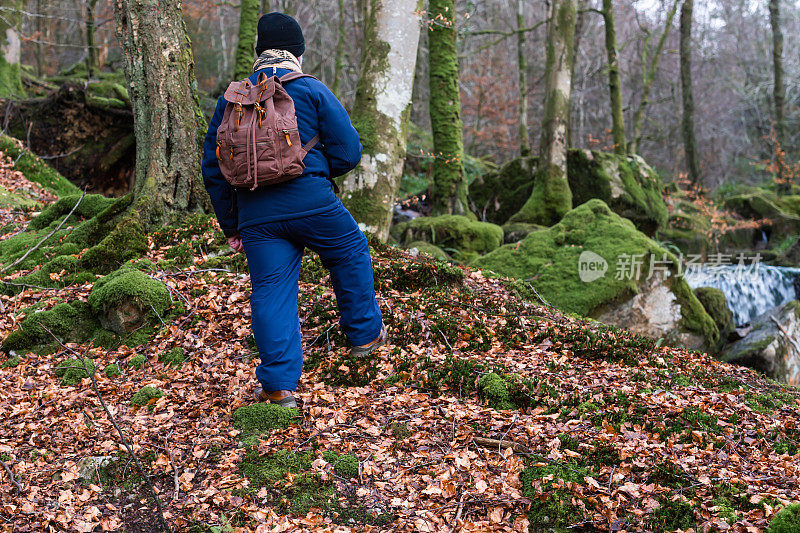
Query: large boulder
x,y
629,186
773,344
757,203
586,264
451,232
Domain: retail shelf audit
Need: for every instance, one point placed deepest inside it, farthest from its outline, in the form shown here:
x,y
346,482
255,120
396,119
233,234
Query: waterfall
x,y
750,291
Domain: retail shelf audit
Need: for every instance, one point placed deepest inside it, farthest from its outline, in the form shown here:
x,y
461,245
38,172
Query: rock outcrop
x,y
597,264
772,346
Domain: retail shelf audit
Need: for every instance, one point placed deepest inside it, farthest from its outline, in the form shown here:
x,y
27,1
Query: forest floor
x,y
484,412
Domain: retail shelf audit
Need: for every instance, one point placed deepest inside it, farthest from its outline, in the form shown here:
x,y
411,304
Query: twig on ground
x,y
36,246
518,448
113,421
11,476
174,467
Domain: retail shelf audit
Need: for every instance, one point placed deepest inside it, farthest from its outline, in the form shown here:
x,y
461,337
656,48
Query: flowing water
x,y
751,291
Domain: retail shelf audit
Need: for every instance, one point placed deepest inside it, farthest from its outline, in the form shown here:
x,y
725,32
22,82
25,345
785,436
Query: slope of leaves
x,y
484,411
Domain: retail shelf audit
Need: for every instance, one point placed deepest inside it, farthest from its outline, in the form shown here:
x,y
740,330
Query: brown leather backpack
x,y
257,140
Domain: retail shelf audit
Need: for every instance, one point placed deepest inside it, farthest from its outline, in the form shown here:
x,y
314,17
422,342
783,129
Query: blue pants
x,y
274,251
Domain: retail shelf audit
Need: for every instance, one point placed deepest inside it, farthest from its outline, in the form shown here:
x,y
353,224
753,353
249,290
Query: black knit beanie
x,y
281,32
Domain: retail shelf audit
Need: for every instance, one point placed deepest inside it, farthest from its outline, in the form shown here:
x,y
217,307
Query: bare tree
x,y
245,47
614,88
10,49
522,76
779,90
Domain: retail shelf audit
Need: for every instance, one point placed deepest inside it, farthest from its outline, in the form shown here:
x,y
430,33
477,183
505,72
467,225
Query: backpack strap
x,y
291,76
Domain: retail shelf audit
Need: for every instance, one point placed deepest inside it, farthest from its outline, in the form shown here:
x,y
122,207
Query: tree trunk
x,y
779,91
245,47
380,115
648,75
91,47
576,106
522,71
168,121
266,6
338,63
551,197
614,88
449,185
689,140
10,50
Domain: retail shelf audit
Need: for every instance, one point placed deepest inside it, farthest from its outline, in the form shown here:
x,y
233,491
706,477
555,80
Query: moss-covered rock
x,y
144,396
629,186
90,206
786,521
123,299
515,232
35,169
767,349
716,305
174,357
497,195
112,370
451,232
136,362
68,322
587,264
428,248
759,203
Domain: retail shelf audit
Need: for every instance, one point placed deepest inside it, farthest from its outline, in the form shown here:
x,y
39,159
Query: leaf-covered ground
x,y
484,412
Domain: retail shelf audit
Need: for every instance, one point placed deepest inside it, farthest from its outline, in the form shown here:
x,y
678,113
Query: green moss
x,y
550,260
69,322
493,388
552,510
428,248
550,198
175,357
515,232
11,362
136,362
498,195
112,370
716,305
126,241
127,286
72,371
672,515
786,521
262,417
451,232
91,206
144,395
416,275
345,466
34,169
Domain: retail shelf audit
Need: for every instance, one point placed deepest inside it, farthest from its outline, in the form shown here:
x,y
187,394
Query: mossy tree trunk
x,y
380,113
92,62
687,93
266,6
614,88
168,122
338,63
522,72
449,184
245,47
10,50
551,197
648,75
779,90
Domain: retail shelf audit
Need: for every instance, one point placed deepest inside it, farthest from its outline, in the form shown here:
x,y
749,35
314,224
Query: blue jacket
x,y
337,152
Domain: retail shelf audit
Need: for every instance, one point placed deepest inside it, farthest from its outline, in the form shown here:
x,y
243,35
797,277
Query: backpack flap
x,y
245,93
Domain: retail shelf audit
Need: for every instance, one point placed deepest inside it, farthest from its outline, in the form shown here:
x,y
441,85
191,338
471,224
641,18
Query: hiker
x,y
273,223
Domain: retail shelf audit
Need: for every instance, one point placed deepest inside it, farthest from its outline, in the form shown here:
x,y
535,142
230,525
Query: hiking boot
x,y
363,351
284,398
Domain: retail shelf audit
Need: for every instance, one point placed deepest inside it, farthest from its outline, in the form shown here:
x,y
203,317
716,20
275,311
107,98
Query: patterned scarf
x,y
277,59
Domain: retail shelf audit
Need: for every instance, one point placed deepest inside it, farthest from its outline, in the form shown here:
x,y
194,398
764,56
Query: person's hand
x,y
235,242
